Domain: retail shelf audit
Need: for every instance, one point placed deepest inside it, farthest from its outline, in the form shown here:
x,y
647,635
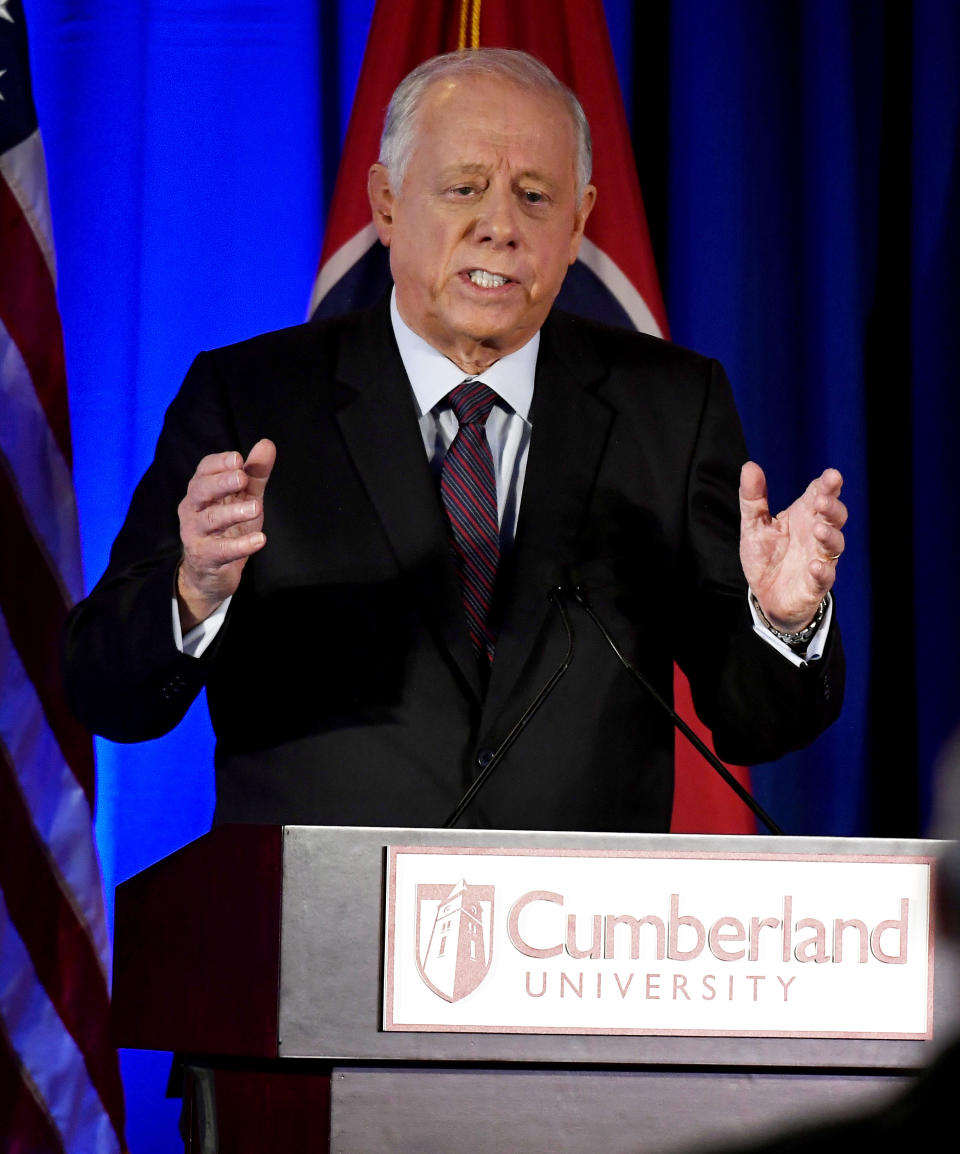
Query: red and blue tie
x,y
468,489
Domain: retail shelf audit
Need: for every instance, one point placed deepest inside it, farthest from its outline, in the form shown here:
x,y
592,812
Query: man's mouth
x,y
484,279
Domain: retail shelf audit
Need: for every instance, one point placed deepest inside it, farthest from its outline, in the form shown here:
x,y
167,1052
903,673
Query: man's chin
x,y
500,333
487,345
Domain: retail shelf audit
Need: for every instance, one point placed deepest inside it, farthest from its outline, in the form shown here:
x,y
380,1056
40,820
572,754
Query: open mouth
x,y
484,279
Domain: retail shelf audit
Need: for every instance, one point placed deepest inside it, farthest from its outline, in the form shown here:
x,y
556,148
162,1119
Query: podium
x,y
257,953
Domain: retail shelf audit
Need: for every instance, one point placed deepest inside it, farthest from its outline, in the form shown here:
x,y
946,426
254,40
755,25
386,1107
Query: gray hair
x,y
399,126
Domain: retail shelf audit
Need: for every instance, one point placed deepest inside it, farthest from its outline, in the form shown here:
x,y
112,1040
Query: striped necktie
x,y
468,489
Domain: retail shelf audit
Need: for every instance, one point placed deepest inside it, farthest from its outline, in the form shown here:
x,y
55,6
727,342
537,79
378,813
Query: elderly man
x,y
374,509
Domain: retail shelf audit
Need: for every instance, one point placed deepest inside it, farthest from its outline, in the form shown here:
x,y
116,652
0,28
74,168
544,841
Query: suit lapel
x,y
571,425
378,420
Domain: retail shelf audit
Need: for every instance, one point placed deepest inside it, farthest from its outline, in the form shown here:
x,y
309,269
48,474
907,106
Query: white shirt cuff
x,y
200,636
817,642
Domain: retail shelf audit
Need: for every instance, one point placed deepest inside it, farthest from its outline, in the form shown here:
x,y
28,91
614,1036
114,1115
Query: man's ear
x,y
382,201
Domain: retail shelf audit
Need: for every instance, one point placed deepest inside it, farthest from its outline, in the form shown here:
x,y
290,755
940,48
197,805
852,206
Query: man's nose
x,y
498,220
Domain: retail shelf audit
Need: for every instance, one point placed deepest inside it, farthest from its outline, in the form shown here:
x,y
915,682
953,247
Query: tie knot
x,y
471,402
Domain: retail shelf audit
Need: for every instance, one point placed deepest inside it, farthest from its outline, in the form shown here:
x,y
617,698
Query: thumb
x,y
259,465
753,493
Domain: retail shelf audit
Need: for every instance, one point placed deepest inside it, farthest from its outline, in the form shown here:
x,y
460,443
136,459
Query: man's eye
x,y
531,196
463,190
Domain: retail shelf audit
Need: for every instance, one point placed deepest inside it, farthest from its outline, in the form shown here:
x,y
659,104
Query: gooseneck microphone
x,y
580,597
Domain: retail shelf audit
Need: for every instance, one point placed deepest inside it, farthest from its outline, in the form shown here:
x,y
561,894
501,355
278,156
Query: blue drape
x,y
813,247
772,248
809,232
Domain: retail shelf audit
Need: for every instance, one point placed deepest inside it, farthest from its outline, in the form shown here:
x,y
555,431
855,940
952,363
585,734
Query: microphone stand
x,y
745,796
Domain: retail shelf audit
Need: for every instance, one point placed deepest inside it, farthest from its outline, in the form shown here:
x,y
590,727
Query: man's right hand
x,y
221,523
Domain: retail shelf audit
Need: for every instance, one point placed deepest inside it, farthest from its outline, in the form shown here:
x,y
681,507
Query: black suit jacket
x,y
342,687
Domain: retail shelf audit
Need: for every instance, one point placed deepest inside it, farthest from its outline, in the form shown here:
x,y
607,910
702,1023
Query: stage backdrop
x,y
800,166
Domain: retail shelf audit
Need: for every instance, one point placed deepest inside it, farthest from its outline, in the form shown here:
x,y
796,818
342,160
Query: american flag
x,y
60,1087
614,278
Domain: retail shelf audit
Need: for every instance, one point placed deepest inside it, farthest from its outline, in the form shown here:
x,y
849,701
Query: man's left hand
x,y
790,561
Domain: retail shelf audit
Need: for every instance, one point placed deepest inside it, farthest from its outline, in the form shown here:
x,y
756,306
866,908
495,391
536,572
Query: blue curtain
x,y
801,167
812,246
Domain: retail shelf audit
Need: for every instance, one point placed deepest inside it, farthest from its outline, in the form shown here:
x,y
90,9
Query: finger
x,y
238,516
753,483
224,484
830,482
831,509
211,553
753,494
259,465
829,541
824,573
823,491
219,463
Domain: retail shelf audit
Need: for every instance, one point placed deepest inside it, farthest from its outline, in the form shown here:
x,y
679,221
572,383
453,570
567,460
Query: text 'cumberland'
x,y
682,937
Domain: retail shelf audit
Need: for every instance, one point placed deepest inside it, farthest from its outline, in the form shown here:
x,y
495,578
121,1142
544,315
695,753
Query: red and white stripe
x,y
60,1085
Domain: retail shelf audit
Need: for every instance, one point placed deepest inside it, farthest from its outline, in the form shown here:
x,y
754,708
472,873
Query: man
x,y
358,668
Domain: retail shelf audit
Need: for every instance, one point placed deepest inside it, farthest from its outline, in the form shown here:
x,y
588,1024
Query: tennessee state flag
x,y
614,279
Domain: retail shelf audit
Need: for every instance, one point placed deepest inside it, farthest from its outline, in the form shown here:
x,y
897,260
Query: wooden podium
x,y
257,953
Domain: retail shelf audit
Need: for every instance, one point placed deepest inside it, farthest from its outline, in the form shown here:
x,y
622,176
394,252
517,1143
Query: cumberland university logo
x,y
454,937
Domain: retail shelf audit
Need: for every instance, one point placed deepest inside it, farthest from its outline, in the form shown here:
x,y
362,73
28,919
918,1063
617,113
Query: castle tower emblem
x,y
454,937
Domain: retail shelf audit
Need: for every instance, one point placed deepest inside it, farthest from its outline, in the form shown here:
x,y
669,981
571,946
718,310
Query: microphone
x,y
580,597
555,596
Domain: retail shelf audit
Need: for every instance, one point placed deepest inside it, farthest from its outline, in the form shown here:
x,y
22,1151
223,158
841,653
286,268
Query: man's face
x,y
486,223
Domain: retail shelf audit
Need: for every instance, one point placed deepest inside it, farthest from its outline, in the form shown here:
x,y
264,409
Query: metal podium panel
x,y
385,1109
332,957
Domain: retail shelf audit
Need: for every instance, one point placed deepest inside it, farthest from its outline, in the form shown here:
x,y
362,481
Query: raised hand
x,y
790,561
221,525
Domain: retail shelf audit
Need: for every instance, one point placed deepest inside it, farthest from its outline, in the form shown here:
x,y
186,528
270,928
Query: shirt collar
x,y
432,375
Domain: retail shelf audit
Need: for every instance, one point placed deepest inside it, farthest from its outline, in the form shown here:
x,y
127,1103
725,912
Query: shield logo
x,y
454,937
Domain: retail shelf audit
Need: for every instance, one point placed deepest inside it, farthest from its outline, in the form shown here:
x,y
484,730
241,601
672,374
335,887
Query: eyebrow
x,y
477,169
454,170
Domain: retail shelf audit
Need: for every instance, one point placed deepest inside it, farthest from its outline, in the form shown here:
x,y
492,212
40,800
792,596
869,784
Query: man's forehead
x,y
445,98
455,113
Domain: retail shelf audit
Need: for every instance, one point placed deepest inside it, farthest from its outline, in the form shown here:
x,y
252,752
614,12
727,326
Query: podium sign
x,y
578,941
